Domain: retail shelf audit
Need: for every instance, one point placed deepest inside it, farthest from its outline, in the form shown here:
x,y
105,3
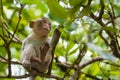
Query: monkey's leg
x,y
36,59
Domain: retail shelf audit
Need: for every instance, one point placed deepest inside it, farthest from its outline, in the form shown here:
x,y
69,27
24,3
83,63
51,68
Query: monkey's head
x,y
41,26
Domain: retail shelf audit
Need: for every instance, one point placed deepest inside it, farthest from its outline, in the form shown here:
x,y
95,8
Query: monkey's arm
x,y
28,54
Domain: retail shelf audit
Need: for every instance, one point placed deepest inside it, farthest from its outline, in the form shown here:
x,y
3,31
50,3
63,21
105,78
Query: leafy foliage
x,y
89,45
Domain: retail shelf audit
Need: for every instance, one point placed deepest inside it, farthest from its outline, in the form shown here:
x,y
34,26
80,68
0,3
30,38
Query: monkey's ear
x,y
31,24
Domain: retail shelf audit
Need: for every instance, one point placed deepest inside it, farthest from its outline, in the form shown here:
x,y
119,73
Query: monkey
x,y
35,55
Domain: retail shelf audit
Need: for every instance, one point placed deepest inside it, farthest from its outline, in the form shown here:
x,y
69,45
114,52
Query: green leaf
x,y
76,2
95,7
116,72
93,69
70,46
74,50
52,16
42,7
8,2
60,50
1,42
85,11
2,51
57,11
72,12
2,68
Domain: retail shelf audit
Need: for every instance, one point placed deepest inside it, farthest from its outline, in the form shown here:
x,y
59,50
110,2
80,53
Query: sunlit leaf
x,y
60,51
95,7
1,42
83,77
93,69
57,11
70,46
74,50
42,7
115,72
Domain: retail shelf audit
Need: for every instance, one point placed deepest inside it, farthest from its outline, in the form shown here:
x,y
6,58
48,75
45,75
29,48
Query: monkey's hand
x,y
36,59
46,48
27,65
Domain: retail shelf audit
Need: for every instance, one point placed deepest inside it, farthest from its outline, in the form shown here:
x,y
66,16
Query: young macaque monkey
x,y
35,55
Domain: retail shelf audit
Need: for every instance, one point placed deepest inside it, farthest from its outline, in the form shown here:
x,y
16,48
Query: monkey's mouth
x,y
46,31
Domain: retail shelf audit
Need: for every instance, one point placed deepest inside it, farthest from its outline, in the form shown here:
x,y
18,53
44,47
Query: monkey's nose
x,y
46,27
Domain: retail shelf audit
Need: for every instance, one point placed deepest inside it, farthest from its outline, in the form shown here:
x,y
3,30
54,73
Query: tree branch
x,y
7,45
55,39
28,75
90,62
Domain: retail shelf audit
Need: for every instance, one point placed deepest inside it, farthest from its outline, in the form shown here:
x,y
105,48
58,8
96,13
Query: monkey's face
x,y
42,26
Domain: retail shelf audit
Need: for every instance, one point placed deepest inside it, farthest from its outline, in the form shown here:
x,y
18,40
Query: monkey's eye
x,y
43,21
39,25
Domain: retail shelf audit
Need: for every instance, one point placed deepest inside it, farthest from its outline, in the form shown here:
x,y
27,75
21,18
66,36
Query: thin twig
x,y
102,9
20,11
